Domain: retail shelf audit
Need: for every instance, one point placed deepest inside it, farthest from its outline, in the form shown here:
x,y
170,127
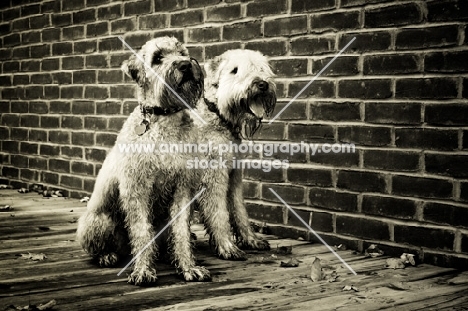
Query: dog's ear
x,y
135,69
212,65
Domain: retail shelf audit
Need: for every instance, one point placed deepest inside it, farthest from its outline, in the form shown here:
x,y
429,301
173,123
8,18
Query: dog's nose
x,y
262,85
184,66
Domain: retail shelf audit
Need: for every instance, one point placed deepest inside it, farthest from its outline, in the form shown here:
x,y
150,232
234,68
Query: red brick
x,y
242,31
83,138
208,34
389,207
72,152
396,15
287,26
450,214
391,160
365,135
269,48
446,164
96,155
274,131
310,176
71,182
427,37
342,66
335,21
426,138
212,51
123,25
289,67
59,137
250,190
447,11
300,6
137,7
85,16
440,88
332,199
187,18
50,121
267,7
394,113
361,181
83,168
421,187
362,227
29,148
424,237
49,150
72,122
105,139
311,133
294,221
365,89
223,13
109,12
318,89
447,114
312,45
290,194
155,21
273,214
19,160
108,107
328,111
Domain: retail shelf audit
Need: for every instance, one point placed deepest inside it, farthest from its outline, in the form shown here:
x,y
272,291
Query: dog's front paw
x,y
232,253
108,260
142,276
197,273
256,244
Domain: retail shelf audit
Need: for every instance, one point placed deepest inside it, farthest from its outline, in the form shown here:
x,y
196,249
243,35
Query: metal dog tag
x,y
142,128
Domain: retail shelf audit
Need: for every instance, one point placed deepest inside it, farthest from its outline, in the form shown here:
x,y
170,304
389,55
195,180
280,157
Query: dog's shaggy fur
x,y
239,93
136,193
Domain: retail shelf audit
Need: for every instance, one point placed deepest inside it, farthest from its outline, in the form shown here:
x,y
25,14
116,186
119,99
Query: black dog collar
x,y
159,111
235,130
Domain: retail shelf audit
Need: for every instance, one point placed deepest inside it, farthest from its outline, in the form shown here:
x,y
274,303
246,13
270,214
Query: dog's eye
x,y
157,59
215,85
234,71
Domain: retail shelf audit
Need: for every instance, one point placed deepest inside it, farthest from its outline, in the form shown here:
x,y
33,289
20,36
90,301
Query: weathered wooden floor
x,y
38,225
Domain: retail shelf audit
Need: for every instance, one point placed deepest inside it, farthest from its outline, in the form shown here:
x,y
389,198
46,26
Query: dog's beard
x,y
251,113
189,88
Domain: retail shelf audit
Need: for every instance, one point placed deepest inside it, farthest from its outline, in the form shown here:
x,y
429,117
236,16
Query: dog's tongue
x,y
257,108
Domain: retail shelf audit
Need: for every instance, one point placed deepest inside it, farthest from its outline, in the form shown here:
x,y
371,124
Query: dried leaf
x,y
340,247
284,250
292,263
350,287
33,256
408,259
3,186
23,190
373,251
47,306
84,199
6,208
399,286
316,270
394,263
331,277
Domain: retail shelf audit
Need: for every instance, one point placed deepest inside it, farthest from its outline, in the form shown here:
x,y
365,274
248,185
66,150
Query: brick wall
x,y
399,92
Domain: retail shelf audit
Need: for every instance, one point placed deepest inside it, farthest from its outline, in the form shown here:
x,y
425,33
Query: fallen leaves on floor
x,y
86,199
462,278
284,250
395,263
23,190
373,251
3,186
292,263
398,285
401,263
40,307
340,247
350,287
6,208
52,193
33,256
316,270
